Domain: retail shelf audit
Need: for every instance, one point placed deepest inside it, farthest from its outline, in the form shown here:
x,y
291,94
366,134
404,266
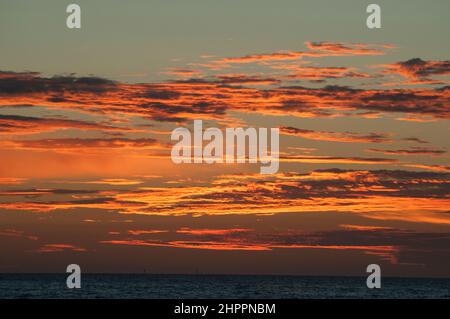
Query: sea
x,y
147,286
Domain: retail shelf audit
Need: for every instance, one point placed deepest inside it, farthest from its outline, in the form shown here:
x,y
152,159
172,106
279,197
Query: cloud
x,y
317,49
207,245
437,168
418,69
388,243
348,48
411,196
52,248
336,160
320,73
17,125
17,233
146,232
213,232
324,101
365,228
245,79
416,140
348,137
80,144
116,181
184,100
416,119
411,151
277,56
12,180
36,192
183,72
12,83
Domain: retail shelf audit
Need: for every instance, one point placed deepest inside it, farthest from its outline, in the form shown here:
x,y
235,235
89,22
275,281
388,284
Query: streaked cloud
x,y
348,137
411,151
18,125
379,194
53,248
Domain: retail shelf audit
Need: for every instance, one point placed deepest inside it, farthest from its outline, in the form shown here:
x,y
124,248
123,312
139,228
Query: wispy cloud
x,y
411,151
348,137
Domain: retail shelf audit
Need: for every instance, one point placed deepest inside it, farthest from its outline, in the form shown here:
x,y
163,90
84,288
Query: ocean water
x,y
216,286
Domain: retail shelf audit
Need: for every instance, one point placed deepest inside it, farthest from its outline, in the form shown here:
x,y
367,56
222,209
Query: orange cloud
x,y
184,100
411,151
349,49
116,181
146,232
348,137
365,228
207,245
385,252
392,195
203,232
335,160
318,49
51,248
437,168
419,69
17,233
183,72
318,73
12,180
82,145
23,125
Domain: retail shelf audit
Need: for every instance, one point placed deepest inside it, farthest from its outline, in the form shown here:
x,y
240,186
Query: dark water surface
x,y
216,286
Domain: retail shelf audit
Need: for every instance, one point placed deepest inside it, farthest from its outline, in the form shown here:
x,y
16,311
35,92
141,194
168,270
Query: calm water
x,y
206,286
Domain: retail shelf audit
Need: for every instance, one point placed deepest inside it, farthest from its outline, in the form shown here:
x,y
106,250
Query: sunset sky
x,y
86,115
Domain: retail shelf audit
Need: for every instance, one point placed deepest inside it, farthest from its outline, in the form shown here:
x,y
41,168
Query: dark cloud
x,y
32,83
245,79
349,137
411,151
416,140
183,100
366,192
160,93
17,124
82,143
419,69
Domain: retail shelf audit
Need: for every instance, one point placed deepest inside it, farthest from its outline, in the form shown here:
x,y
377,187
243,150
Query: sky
x,y
86,117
